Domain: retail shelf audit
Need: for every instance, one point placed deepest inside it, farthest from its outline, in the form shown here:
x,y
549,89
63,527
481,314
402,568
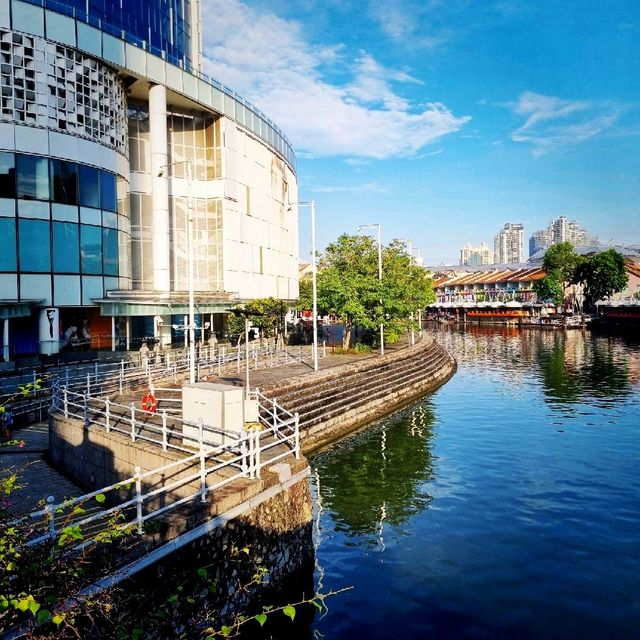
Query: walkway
x,y
38,478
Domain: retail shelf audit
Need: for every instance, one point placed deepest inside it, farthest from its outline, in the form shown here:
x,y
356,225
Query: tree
x,y
602,275
548,289
348,283
267,314
560,262
349,286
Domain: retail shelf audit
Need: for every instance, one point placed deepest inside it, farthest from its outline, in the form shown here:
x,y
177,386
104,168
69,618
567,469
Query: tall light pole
x,y
314,274
192,319
365,226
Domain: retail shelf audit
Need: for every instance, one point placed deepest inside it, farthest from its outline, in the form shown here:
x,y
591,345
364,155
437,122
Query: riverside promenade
x,y
39,479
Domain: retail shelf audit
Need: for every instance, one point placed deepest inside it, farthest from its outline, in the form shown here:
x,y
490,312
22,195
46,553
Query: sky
x,y
442,120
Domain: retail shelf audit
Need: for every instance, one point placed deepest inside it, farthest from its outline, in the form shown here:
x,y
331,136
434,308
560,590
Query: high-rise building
x,y
112,144
560,230
508,245
475,256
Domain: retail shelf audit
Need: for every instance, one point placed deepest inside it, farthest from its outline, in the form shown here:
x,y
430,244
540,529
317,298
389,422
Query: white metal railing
x,y
204,468
116,377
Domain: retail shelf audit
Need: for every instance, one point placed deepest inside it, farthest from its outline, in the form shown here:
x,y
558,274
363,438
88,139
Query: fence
x,y
204,468
118,376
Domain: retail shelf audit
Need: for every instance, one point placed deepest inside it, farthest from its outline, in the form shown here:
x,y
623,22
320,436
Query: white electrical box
x,y
220,406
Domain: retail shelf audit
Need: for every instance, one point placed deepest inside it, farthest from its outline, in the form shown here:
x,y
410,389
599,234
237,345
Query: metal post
x,y
138,477
85,410
244,453
88,383
275,406
192,320
107,414
133,422
324,348
256,450
314,283
297,435
51,518
203,471
246,356
238,358
65,400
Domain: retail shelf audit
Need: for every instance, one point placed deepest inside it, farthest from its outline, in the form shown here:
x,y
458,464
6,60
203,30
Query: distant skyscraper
x,y
508,245
475,256
560,230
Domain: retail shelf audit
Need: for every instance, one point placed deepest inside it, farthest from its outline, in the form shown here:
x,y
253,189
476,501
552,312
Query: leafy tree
x,y
602,275
305,300
348,285
267,314
560,262
548,289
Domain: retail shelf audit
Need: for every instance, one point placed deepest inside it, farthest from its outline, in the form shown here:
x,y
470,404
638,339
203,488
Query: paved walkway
x,y
38,479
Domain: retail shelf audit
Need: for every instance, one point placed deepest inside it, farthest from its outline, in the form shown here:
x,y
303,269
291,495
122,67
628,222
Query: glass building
x,y
111,141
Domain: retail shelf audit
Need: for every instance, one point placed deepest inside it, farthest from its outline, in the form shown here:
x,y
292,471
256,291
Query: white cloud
x,y
552,123
266,59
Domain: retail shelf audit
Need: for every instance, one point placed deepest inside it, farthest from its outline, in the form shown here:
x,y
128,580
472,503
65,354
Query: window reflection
x,y
90,249
35,251
89,186
8,260
7,176
66,255
110,251
107,191
33,177
64,181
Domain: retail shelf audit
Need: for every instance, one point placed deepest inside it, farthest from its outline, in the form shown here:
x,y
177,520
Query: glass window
x,y
35,249
91,249
33,177
66,252
64,181
110,251
89,182
108,190
8,253
7,175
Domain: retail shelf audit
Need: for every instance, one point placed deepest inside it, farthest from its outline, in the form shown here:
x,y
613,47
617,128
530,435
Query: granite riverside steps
x,y
336,401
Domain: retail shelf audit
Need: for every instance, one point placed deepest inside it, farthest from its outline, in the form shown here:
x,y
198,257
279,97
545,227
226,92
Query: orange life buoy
x,y
149,403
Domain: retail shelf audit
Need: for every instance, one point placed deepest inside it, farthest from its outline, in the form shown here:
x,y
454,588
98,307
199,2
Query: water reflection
x,y
572,365
378,477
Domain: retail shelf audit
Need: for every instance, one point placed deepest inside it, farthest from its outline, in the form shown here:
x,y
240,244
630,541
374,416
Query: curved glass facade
x,y
162,27
60,219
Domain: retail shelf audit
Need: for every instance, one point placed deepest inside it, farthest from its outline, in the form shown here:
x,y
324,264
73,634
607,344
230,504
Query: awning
x,y
17,308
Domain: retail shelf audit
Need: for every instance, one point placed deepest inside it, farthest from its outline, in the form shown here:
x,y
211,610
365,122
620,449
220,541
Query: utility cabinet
x,y
218,405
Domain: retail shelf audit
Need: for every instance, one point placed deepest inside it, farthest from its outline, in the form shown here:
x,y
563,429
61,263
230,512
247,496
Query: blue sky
x,y
445,119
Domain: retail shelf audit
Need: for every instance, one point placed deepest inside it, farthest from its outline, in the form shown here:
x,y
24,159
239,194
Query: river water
x,y
505,505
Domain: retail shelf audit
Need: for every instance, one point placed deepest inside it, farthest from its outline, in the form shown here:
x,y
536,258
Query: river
x,y
505,505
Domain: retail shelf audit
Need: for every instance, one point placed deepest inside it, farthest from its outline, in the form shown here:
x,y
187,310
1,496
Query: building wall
x,y
81,167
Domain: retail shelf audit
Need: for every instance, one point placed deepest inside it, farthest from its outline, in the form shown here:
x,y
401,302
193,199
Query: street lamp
x,y
192,320
368,226
314,283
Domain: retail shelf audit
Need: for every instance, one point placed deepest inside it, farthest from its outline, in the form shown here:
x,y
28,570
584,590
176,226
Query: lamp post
x,y
314,274
365,226
192,320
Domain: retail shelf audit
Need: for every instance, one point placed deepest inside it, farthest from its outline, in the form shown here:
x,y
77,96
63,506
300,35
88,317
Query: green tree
x,y
548,289
267,314
560,262
348,283
602,275
305,299
349,286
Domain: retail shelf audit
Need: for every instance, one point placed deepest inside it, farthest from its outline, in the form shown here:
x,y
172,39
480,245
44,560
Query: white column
x,y
160,187
5,340
128,330
49,331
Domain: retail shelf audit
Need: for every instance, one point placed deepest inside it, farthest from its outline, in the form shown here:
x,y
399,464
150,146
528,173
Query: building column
x,y
49,331
5,340
160,187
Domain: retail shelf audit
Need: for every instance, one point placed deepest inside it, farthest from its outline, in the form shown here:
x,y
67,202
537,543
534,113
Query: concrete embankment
x,y
337,401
